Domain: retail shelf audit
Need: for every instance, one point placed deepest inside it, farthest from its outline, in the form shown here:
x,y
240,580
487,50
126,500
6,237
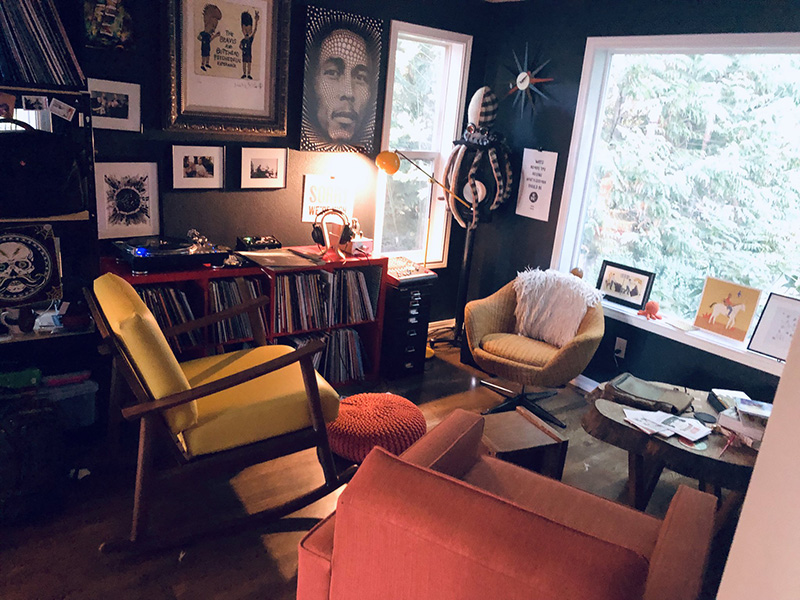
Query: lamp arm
x,y
434,180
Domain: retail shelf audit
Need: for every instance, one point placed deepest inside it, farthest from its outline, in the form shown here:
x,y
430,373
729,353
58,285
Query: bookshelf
x,y
339,300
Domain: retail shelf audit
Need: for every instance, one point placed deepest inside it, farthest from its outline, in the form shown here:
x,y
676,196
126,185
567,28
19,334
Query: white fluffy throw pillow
x,y
551,305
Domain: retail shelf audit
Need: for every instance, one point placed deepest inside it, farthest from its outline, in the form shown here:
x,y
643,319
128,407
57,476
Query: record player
x,y
157,253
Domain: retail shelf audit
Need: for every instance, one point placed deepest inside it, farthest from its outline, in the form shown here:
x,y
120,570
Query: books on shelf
x,y
34,48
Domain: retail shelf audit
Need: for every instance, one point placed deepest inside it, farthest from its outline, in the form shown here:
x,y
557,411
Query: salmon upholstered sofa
x,y
445,521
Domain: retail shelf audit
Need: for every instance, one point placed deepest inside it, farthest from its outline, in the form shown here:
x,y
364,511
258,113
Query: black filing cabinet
x,y
405,327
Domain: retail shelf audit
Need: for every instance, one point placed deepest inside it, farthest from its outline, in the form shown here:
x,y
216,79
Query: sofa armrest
x,y
679,558
403,531
452,447
314,561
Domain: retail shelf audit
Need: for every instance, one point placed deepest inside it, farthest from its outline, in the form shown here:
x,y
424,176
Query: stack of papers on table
x,y
664,424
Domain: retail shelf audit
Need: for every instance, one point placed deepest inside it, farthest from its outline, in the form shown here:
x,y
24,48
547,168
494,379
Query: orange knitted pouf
x,y
368,420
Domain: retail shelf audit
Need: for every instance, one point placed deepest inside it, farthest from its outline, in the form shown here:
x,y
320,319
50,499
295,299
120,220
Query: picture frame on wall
x,y
625,285
727,308
127,199
263,168
41,279
198,167
229,66
340,112
115,105
776,326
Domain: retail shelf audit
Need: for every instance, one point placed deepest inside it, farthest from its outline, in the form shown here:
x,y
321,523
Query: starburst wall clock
x,y
523,86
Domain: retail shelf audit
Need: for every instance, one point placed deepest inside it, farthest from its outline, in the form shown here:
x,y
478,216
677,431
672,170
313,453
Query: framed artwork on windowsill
x,y
229,65
727,308
776,327
198,167
127,199
625,285
263,168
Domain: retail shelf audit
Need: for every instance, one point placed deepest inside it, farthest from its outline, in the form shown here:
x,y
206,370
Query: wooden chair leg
x,y
324,454
144,472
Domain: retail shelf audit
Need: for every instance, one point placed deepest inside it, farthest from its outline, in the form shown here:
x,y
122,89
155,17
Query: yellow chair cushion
x,y
134,325
259,409
518,348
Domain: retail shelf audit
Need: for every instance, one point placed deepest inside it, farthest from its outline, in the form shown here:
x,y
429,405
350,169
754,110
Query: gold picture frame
x,y
213,88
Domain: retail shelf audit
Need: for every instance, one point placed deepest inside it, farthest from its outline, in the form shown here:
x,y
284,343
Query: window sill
x,y
696,338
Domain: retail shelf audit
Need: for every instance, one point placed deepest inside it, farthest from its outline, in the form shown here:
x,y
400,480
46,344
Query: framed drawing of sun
x,y
127,199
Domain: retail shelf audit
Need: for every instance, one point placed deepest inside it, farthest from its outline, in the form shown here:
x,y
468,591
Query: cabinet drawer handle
x,y
411,333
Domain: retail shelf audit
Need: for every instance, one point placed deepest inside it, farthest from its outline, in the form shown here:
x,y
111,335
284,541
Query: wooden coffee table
x,y
649,455
522,438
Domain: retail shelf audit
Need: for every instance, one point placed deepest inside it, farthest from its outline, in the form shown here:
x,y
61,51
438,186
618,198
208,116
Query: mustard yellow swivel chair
x,y
490,326
231,410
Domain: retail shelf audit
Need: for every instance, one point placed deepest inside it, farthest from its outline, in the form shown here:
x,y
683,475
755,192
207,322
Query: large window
x,y
685,161
424,108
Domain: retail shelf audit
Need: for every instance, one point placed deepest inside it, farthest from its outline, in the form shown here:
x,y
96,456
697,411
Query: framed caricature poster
x,y
229,66
340,86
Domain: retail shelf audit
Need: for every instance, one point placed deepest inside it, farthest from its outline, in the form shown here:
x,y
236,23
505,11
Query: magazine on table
x,y
659,421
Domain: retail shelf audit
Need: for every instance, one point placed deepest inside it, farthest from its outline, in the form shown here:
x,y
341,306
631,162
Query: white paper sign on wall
x,y
321,192
536,184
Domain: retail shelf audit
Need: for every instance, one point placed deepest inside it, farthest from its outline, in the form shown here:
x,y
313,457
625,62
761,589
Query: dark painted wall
x,y
552,30
223,215
557,31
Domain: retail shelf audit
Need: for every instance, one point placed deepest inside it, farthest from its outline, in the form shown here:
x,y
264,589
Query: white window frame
x,y
459,49
596,63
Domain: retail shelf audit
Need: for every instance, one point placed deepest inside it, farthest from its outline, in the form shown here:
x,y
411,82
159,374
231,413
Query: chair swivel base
x,y
528,400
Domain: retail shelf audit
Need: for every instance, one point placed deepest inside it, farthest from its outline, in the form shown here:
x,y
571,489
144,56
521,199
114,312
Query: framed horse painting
x,y
727,308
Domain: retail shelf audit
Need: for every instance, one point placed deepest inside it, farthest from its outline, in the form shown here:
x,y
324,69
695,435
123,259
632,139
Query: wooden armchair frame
x,y
148,411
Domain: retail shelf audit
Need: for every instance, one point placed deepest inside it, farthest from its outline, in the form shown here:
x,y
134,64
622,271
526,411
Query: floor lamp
x,y
389,162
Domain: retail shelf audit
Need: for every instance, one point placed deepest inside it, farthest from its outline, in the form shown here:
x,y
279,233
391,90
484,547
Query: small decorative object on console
x,y
650,310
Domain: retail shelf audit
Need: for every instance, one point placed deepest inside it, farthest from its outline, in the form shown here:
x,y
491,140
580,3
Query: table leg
x,y
643,475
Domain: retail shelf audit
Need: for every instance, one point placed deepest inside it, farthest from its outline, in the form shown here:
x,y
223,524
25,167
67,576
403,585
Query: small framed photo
x,y
625,285
776,326
115,105
263,167
727,308
34,102
197,167
127,199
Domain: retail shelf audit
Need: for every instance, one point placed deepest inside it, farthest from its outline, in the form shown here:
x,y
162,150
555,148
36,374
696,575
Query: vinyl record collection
x,y
33,46
306,301
227,293
170,307
343,356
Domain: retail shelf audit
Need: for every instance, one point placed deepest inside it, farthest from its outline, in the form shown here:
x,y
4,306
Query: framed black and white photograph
x,y
776,326
127,199
264,168
340,85
115,105
197,167
625,285
29,264
229,65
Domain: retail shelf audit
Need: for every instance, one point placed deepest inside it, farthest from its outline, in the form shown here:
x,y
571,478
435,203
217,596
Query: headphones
x,y
319,235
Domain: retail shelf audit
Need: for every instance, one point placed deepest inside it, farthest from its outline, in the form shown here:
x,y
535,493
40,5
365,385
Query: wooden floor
x,y
56,557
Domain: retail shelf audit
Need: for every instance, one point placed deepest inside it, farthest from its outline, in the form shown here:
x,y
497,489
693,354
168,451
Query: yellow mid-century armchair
x,y
239,408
